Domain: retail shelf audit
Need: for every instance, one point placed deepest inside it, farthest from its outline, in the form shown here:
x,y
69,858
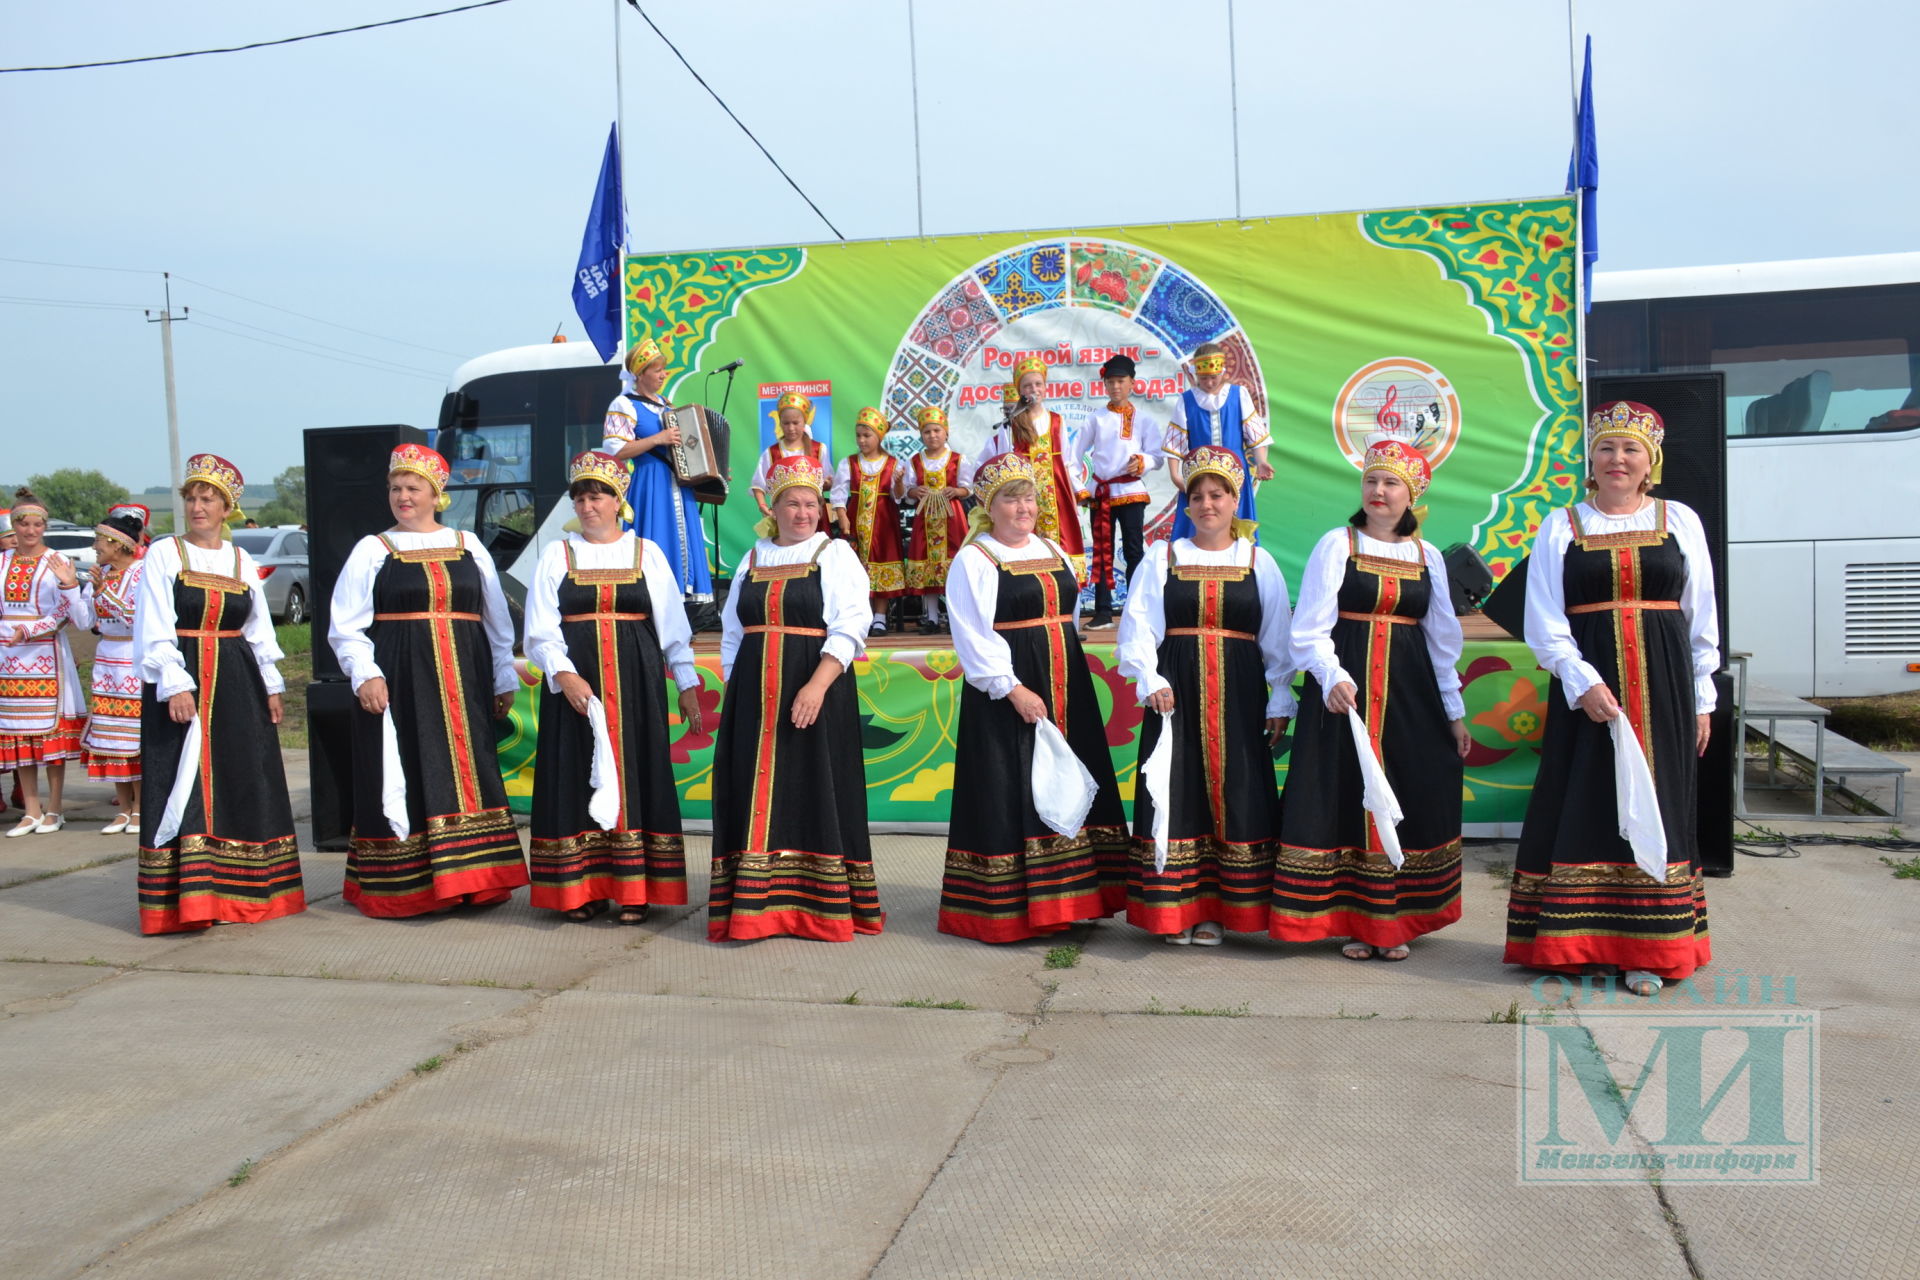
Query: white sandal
x,y
1357,950
118,825
1214,936
1184,938
1637,979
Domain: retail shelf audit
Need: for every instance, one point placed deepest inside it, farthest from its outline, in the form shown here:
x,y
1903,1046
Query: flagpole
x,y
913,65
620,171
1233,97
1579,222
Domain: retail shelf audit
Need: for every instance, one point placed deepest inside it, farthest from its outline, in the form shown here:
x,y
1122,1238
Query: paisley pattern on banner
x,y
910,709
1516,262
681,299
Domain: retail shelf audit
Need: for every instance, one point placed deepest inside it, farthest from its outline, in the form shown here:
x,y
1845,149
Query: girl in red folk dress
x,y
42,706
793,415
937,479
863,490
111,745
1040,436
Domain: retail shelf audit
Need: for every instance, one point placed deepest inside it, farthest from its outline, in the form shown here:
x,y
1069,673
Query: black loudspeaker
x,y
1714,798
1469,581
1507,606
330,705
1694,407
346,501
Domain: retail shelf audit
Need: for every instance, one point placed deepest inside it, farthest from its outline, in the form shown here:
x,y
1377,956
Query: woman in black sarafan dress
x,y
421,629
1204,638
605,622
790,848
1375,632
204,645
1620,609
1013,599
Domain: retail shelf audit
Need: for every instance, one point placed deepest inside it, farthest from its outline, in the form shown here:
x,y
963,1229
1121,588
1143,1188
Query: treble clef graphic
x,y
1387,416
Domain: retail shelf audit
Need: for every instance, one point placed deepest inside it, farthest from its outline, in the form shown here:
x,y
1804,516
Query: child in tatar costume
x,y
1119,446
863,487
937,478
1042,437
793,415
1217,412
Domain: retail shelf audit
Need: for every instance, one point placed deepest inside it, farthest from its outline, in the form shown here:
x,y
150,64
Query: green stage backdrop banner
x,y
910,710
1452,328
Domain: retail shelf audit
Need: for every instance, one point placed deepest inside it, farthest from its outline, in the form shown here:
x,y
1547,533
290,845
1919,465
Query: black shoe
x,y
1101,620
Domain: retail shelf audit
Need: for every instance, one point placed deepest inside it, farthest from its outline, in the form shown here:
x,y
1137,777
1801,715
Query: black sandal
x,y
582,914
631,915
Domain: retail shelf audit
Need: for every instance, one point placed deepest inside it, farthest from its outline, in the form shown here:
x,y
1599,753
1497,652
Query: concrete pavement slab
x,y
84,917
24,988
141,1094
622,1136
35,857
911,960
1259,1147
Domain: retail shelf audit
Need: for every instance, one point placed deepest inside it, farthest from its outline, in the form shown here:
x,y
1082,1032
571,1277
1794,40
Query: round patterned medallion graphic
x,y
1398,398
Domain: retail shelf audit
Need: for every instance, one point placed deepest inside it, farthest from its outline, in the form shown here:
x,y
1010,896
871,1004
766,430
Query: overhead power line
x,y
365,333
318,355
200,313
257,44
736,119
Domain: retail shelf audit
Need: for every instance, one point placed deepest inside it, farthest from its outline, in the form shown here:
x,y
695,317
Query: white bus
x,y
1822,365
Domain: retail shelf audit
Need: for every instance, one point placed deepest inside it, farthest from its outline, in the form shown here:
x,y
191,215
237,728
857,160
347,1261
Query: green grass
x,y
431,1064
1908,870
852,997
1890,722
296,668
1189,1011
1065,956
241,1174
932,1004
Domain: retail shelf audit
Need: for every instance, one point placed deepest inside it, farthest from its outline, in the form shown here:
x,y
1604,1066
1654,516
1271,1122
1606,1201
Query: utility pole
x,y
174,474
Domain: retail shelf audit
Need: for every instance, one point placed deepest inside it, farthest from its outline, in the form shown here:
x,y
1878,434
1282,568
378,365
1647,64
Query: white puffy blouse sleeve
x,y
842,482
494,616
1143,624
1697,604
1547,631
973,594
845,588
617,428
670,617
546,642
1276,622
83,611
1253,428
730,631
963,474
351,612
1441,627
1310,642
156,649
760,469
258,629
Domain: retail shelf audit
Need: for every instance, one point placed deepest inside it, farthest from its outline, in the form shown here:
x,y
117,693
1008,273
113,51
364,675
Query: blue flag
x,y
596,283
1583,175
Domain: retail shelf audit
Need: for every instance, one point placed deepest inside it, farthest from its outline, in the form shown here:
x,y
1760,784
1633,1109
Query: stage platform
x,y
909,687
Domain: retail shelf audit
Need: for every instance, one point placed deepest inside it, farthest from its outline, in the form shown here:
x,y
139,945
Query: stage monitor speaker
x,y
1469,581
1714,788
330,705
346,501
1507,606
1694,408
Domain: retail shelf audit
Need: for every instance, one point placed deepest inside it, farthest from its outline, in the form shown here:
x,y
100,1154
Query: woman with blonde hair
x,y
421,629
661,509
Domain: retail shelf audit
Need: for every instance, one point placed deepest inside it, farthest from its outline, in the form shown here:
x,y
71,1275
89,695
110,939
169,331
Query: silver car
x,y
281,554
75,543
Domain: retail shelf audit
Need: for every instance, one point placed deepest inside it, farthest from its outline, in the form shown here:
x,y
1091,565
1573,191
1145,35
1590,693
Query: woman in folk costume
x,y
790,848
862,491
111,744
664,511
1376,635
42,703
606,624
936,480
421,630
793,425
1620,610
1204,637
1040,436
1012,873
1217,412
217,841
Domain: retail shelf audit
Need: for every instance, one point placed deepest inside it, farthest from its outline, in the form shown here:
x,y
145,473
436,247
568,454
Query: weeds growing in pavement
x,y
1189,1011
431,1064
1064,956
1354,1017
1908,870
1499,869
931,1004
241,1174
1510,1016
852,997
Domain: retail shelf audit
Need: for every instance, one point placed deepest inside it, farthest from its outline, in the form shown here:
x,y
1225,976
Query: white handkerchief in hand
x,y
183,779
1063,790
393,778
1378,796
604,805
1639,806
1157,774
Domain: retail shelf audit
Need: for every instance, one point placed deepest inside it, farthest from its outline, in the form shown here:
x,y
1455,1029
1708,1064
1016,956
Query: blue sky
x,y
429,182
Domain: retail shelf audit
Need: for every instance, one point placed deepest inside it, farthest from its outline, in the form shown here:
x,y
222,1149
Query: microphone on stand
x,y
729,368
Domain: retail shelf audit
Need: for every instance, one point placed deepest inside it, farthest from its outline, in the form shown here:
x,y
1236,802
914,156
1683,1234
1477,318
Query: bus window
x,y
490,453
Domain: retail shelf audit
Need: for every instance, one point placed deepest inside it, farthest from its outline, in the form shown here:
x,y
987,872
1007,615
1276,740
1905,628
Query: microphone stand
x,y
726,395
